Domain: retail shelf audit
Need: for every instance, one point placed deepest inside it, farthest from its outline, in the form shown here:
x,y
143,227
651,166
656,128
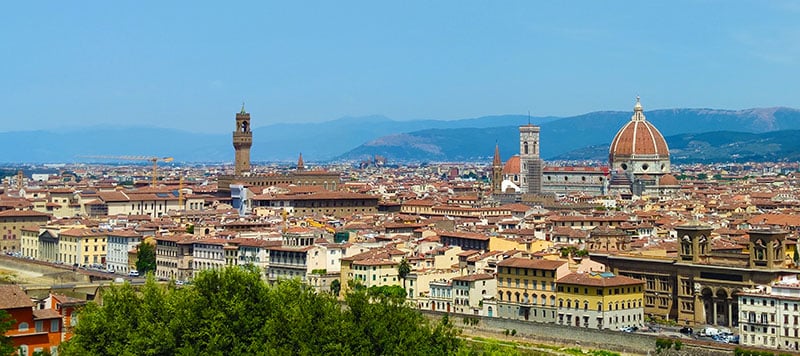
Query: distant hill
x,y
278,142
562,136
354,138
718,146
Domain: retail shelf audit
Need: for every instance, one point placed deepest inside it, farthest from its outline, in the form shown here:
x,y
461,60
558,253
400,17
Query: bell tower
x,y
242,141
529,161
497,171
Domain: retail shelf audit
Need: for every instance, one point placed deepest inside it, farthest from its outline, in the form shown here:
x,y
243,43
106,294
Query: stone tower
x,y
767,248
497,171
695,241
530,164
242,141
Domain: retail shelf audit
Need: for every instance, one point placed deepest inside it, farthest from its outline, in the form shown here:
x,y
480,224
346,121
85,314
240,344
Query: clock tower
x,y
242,141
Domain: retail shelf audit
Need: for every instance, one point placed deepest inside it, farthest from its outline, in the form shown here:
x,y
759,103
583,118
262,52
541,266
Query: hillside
x,y
563,136
356,138
718,146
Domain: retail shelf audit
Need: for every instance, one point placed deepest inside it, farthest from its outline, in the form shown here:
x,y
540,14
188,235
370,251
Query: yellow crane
x,y
154,160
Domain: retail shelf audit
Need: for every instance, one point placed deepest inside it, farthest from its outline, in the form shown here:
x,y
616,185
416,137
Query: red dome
x,y
512,166
638,137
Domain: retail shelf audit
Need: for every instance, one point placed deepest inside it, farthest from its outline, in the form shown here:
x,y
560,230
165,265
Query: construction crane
x,y
154,160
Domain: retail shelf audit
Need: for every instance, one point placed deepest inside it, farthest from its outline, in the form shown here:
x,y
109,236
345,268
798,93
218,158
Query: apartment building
x,y
600,300
526,288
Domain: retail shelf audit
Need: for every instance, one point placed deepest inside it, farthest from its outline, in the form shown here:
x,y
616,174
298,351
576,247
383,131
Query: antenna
x,y
529,117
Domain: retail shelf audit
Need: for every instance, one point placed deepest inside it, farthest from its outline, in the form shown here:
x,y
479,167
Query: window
x,y
54,325
39,326
23,326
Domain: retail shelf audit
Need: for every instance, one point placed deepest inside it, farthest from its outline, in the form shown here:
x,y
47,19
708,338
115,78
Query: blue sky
x,y
189,64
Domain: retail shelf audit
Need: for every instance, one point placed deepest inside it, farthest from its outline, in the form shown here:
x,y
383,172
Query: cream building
x,y
120,242
82,246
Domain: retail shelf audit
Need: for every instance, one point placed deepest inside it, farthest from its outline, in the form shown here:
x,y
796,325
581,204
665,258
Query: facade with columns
x,y
700,286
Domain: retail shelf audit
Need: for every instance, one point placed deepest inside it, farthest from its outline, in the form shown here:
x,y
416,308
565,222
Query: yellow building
x,y
526,288
11,224
82,246
600,300
501,243
376,267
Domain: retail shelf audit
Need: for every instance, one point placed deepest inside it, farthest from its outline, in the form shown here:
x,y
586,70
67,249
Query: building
x,y
770,316
174,257
497,171
33,330
11,224
638,156
242,141
82,246
470,291
530,163
526,288
328,203
120,242
701,285
600,301
208,254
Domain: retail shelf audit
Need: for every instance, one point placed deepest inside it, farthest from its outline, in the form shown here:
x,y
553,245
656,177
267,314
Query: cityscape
x,y
575,230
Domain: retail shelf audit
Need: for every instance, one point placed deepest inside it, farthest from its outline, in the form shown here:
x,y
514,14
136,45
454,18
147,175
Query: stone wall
x,y
630,343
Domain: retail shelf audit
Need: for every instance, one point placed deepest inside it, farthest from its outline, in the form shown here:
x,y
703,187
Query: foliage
x,y
190,229
6,345
319,271
336,287
234,312
146,258
403,269
665,344
746,352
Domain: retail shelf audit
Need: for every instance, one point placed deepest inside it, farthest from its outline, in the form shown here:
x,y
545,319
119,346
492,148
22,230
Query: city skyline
x,y
172,66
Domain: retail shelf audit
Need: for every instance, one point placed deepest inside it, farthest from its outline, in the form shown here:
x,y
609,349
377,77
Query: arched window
x,y
561,303
585,305
525,147
599,306
23,326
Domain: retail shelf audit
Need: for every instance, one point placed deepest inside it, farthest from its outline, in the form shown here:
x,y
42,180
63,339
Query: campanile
x,y
242,141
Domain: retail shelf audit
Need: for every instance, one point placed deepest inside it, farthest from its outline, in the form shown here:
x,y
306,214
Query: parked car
x,y
629,329
687,330
133,273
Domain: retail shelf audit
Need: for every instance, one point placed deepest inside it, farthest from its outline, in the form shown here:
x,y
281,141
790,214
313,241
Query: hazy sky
x,y
189,64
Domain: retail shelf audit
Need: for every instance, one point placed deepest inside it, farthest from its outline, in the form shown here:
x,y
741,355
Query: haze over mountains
x,y
691,134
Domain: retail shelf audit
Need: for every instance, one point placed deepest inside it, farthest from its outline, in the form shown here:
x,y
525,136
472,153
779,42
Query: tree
x,y
190,229
146,259
403,269
232,311
336,287
6,345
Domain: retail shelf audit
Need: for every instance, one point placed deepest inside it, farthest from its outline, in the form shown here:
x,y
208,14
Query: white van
x,y
133,273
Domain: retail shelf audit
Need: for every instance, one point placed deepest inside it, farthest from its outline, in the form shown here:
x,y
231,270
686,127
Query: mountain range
x,y
688,132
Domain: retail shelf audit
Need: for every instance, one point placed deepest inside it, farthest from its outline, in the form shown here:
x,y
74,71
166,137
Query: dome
x,y
512,166
639,147
668,179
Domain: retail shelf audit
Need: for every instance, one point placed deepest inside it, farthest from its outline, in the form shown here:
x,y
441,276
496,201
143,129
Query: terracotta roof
x,y
39,314
474,277
598,280
519,262
12,297
22,213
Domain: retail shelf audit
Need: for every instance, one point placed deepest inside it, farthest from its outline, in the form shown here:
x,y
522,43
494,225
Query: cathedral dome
x,y
512,165
639,147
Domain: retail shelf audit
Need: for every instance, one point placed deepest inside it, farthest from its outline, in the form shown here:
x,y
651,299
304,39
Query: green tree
x,y
146,259
403,269
336,287
6,345
190,229
232,311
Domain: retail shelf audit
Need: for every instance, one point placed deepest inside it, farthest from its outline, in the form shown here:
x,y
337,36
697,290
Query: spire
x,y
243,112
300,165
497,162
638,112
